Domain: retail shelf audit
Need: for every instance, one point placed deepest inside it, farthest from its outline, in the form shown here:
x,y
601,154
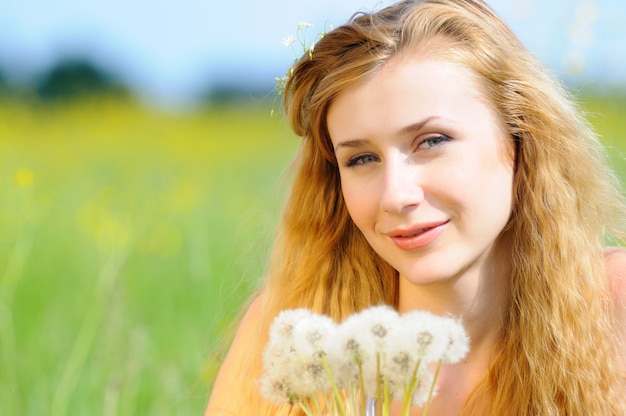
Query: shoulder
x,y
235,368
615,259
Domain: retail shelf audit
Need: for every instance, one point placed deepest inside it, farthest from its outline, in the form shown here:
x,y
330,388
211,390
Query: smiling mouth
x,y
417,232
418,238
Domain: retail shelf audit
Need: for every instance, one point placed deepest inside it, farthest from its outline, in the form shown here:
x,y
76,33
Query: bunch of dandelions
x,y
301,47
371,359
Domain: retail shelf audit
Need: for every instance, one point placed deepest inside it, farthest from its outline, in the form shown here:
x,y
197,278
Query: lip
x,y
417,236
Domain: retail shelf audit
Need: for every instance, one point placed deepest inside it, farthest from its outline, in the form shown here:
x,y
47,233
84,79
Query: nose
x,y
401,186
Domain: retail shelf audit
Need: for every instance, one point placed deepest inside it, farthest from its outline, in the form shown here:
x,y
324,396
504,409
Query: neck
x,y
478,296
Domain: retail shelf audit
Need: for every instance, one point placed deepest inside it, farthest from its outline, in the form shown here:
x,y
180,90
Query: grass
x,y
606,114
129,240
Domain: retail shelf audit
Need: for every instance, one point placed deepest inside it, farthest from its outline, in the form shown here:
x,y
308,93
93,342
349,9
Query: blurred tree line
x,y
66,80
73,78
78,78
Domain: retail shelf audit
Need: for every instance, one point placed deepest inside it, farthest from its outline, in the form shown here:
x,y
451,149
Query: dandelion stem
x,y
306,408
386,403
406,406
378,392
432,389
329,402
352,401
362,389
333,384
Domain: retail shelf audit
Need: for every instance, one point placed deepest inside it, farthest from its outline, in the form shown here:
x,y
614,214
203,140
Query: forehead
x,y
408,86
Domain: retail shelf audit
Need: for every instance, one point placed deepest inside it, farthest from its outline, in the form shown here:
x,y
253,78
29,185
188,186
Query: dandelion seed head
x,y
458,343
428,334
274,390
278,385
281,361
424,340
402,361
307,353
344,364
351,348
311,376
314,337
315,369
286,321
379,330
311,333
379,320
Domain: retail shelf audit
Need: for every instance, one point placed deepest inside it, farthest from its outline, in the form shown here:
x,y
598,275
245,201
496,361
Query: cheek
x,y
498,191
358,202
483,185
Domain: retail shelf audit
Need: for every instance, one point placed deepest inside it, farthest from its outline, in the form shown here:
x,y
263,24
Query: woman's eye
x,y
360,160
432,142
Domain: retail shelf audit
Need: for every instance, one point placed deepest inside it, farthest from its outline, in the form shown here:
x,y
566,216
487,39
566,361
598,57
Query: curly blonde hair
x,y
556,354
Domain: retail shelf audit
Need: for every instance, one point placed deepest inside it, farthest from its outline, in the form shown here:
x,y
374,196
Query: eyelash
x,y
358,160
435,141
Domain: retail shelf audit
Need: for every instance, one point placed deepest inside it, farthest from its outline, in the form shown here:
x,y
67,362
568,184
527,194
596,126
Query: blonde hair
x,y
556,354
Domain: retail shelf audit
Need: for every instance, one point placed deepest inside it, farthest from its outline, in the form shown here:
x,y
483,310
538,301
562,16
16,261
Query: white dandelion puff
x,y
375,355
285,322
424,331
379,320
458,343
310,337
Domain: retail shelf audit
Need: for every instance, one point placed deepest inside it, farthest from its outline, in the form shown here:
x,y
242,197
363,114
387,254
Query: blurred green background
x,y
128,240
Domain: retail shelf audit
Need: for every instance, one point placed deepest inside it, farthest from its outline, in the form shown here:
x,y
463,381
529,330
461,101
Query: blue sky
x,y
168,50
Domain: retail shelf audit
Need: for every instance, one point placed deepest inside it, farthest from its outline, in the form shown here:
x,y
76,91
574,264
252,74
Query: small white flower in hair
x,y
288,41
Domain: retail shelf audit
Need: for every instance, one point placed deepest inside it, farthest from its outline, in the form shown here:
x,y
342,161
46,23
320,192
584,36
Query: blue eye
x,y
433,142
361,160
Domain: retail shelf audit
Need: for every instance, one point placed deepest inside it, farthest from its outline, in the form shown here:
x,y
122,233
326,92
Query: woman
x,y
443,169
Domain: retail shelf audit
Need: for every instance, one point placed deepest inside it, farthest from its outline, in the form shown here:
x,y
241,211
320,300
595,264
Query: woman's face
x,y
425,170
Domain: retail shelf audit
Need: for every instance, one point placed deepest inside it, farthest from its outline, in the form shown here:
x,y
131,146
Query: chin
x,y
428,279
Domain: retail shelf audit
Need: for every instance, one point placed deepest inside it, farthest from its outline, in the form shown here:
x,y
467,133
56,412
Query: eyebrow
x,y
351,143
403,131
417,126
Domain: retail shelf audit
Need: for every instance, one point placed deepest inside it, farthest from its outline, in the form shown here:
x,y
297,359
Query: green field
x,y
128,240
